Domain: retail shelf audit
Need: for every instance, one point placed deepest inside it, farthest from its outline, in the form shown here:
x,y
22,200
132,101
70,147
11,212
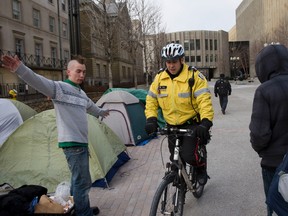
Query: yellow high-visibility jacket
x,y
174,97
13,94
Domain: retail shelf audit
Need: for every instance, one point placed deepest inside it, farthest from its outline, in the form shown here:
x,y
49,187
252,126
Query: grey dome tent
x,y
12,115
10,119
31,155
126,117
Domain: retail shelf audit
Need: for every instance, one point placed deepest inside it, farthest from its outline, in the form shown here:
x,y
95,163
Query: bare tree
x,y
280,34
103,19
148,17
239,54
131,42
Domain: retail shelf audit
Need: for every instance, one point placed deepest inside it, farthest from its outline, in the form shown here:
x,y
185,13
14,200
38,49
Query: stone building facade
x,y
104,43
206,50
261,22
37,31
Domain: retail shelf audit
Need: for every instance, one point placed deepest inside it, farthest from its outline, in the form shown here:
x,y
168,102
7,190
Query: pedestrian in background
x,y
223,89
269,119
71,104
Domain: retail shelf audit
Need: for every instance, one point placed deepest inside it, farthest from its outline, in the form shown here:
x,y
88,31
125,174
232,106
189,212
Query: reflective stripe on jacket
x,y
174,97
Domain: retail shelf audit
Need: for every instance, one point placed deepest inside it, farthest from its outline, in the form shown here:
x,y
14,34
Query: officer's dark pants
x,y
188,144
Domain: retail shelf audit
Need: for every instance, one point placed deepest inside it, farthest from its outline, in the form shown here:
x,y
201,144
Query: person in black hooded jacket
x,y
269,119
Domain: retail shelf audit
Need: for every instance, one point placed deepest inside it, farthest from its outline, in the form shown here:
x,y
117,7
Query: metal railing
x,y
37,61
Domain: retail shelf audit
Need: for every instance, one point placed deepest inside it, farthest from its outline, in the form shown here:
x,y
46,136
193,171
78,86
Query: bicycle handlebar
x,y
174,130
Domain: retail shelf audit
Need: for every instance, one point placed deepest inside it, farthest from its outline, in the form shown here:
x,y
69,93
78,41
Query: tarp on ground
x,y
31,154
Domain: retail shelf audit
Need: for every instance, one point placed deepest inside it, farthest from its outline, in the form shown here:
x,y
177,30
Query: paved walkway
x,y
235,187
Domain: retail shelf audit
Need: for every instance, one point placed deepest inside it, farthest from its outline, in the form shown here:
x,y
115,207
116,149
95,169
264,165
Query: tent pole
x,y
107,184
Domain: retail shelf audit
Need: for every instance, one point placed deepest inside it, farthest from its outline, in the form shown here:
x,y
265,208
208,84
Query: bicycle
x,y
169,198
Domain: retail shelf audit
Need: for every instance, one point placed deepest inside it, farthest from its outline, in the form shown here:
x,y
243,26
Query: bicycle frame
x,y
181,168
169,198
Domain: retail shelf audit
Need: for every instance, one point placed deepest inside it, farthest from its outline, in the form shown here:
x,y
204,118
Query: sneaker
x,y
223,111
95,210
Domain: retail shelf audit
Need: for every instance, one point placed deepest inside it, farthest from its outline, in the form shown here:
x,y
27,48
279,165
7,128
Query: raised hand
x,y
105,113
10,63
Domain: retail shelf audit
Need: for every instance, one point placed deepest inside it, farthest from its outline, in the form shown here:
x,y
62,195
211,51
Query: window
x,y
192,58
186,58
206,44
124,72
63,5
186,45
198,47
19,47
36,18
129,72
215,44
38,53
53,56
97,72
16,10
206,58
51,24
198,58
105,71
211,58
211,44
64,29
192,45
66,57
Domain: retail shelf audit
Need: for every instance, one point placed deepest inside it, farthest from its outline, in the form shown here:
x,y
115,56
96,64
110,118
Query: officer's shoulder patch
x,y
201,76
192,68
161,70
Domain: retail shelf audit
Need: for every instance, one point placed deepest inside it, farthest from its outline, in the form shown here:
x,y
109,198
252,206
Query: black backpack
x,y
222,88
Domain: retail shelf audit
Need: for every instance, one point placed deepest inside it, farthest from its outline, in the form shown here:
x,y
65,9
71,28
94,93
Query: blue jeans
x,y
78,162
223,101
267,176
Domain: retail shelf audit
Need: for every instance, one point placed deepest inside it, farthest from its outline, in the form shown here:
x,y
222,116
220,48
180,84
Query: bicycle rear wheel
x,y
168,199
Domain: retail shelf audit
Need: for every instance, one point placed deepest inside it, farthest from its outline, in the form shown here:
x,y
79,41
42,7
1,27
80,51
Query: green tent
x,y
25,111
31,154
141,95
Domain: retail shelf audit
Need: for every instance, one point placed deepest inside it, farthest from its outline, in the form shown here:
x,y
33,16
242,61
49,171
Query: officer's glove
x,y
151,125
202,131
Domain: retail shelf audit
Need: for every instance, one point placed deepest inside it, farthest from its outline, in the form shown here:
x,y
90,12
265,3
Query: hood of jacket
x,y
271,61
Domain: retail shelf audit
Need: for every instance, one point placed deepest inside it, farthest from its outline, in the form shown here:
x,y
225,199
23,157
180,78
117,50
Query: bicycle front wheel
x,y
197,189
168,199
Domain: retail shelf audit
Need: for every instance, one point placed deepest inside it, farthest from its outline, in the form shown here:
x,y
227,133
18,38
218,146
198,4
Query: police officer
x,y
13,94
183,95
